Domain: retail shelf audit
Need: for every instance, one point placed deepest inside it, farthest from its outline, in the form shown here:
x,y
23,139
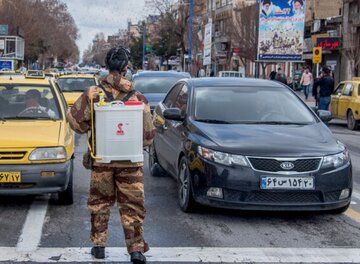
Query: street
x,y
36,229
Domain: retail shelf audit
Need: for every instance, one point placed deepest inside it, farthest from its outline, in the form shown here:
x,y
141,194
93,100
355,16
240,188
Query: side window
x,y
339,88
181,100
348,89
171,96
359,90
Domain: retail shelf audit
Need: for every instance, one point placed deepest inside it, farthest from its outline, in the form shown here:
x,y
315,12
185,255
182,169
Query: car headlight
x,y
336,160
221,157
58,153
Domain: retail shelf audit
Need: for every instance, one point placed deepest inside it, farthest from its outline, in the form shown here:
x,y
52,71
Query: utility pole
x,y
144,46
191,16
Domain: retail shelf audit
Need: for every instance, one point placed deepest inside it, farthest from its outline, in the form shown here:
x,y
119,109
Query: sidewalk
x,y
310,101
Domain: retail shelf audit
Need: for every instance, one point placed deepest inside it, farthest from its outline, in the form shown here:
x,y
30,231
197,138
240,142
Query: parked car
x,y
36,142
248,144
345,102
72,86
230,74
155,84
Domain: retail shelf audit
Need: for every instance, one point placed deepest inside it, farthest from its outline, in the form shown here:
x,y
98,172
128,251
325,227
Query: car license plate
x,y
287,183
10,176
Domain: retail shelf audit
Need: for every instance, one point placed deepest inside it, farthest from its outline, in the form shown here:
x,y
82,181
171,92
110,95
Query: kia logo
x,y
287,165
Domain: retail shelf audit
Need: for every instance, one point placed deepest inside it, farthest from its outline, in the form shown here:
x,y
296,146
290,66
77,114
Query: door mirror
x,y
173,114
324,115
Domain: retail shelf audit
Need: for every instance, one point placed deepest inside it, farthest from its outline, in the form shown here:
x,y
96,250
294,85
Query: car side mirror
x,y
324,115
173,114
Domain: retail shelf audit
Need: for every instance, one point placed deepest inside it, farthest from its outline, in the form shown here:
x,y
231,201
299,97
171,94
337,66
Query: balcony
x,y
224,12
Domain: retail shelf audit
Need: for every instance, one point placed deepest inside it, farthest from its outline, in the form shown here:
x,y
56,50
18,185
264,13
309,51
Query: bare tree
x,y
49,29
352,52
245,31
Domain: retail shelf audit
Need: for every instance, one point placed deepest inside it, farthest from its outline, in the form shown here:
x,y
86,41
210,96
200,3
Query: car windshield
x,y
253,105
75,84
152,84
28,102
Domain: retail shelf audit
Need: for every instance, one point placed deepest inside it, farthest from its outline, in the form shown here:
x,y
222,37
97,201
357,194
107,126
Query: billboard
x,y
207,43
281,30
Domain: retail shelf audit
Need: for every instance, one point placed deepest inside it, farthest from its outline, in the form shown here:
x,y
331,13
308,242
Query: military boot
x,y
98,252
137,258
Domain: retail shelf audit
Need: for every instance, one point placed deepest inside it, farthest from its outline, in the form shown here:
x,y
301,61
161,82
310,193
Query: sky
x,y
107,16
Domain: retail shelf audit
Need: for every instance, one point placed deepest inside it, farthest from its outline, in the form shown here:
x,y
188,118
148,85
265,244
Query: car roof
x,y
219,81
25,81
162,74
74,76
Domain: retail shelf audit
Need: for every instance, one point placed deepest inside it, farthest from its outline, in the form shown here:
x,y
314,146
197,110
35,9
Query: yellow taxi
x,y
73,85
36,142
345,102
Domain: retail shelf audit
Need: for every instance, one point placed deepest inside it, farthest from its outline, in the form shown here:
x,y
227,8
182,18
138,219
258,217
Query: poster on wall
x,y
281,30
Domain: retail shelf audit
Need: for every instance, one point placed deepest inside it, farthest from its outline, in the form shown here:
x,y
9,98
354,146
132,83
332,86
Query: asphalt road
x,y
36,229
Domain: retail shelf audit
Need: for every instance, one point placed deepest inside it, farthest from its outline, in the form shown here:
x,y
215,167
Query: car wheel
x,y
66,197
186,200
352,124
155,169
340,210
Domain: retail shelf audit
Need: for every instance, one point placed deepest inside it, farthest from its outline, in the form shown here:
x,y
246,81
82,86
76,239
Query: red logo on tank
x,y
120,131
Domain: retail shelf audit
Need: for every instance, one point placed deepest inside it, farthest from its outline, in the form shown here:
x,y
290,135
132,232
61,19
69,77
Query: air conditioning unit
x,y
316,26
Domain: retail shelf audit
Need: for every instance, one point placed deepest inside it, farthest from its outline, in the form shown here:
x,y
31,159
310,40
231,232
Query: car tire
x,y
352,124
66,197
155,169
185,196
340,210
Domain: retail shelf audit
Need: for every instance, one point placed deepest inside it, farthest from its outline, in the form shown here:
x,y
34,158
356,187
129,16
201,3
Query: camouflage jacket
x,y
79,115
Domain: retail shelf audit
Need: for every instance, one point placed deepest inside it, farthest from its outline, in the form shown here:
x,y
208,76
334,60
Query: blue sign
x,y
281,30
4,29
6,65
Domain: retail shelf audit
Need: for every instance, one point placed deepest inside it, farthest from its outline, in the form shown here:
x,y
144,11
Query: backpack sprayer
x,y
117,132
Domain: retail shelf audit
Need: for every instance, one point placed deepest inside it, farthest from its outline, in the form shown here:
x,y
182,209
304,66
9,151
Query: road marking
x,y
356,195
194,254
31,233
353,214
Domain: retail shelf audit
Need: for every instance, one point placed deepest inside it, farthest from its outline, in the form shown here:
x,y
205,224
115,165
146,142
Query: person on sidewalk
x,y
326,88
306,81
121,181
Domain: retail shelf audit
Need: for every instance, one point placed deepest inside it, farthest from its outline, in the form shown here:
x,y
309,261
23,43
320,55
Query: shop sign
x,y
4,29
328,43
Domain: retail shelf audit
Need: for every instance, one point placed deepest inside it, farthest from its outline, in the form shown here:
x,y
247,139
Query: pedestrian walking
x,y
119,181
306,82
325,84
281,77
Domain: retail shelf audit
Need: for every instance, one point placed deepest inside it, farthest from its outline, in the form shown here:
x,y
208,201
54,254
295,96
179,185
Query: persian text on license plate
x,y
10,176
294,183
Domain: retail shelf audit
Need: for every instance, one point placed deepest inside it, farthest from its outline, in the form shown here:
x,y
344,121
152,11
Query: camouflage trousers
x,y
126,186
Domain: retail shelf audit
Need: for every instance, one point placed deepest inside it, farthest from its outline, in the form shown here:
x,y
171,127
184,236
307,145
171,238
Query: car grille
x,y
273,165
281,197
12,155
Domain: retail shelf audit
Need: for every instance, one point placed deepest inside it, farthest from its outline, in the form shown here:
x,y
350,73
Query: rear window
x,y
75,84
28,102
154,84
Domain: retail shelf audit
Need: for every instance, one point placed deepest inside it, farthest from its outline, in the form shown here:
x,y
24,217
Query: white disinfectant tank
x,y
119,131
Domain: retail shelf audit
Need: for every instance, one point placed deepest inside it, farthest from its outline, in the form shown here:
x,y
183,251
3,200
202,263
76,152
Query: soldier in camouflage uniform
x,y
122,181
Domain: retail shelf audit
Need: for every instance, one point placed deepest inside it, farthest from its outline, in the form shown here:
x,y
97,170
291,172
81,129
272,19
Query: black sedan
x,y
249,144
155,84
